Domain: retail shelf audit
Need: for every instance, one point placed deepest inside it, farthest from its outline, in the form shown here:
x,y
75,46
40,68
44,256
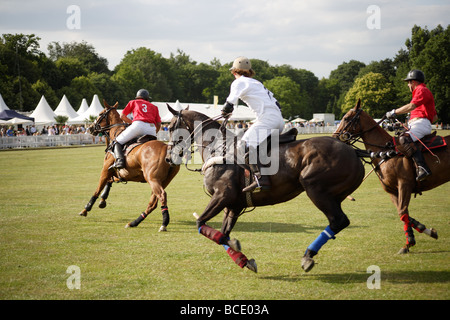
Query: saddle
x,y
133,143
431,141
286,137
130,145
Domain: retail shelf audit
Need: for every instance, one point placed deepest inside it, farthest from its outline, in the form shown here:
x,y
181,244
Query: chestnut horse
x,y
326,168
395,171
144,163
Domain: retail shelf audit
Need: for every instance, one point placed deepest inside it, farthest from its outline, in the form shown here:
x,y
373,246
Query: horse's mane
x,y
206,121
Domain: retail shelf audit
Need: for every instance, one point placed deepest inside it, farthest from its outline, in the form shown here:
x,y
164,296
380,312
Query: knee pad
x,y
407,145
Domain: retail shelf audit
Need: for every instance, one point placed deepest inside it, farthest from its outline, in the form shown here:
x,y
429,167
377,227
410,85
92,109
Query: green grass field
x,y
42,235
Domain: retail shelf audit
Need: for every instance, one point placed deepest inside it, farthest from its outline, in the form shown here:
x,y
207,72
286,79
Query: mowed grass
x,y
41,234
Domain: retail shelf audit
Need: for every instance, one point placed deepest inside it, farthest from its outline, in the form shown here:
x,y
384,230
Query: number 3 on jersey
x,y
144,108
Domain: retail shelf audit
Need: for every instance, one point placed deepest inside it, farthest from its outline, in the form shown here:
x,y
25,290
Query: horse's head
x,y
105,119
350,126
179,135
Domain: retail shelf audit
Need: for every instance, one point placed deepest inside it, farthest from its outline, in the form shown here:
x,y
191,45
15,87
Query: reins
x,y
191,136
351,139
106,129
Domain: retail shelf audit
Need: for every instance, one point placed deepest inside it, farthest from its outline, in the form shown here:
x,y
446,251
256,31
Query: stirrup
x,y
253,187
422,173
115,166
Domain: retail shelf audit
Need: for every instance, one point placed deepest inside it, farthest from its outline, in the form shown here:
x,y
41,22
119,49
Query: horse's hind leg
x,y
151,206
421,228
161,194
408,224
158,193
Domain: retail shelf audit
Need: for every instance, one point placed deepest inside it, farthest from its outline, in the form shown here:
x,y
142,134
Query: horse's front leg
x,y
401,201
215,205
232,246
104,177
105,195
230,218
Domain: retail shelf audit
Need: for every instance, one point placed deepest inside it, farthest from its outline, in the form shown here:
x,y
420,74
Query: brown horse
x,y
144,163
395,171
327,169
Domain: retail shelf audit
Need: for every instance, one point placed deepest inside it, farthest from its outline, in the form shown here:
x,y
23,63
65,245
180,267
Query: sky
x,y
316,35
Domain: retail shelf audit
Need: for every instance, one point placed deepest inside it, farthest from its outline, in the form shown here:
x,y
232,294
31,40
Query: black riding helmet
x,y
143,94
415,75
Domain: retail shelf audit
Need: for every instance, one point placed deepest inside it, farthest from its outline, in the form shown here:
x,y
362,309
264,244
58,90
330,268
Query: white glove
x,y
390,114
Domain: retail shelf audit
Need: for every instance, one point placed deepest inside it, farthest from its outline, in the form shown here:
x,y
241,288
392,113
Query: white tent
x,y
65,109
3,105
164,112
43,114
83,107
299,120
94,110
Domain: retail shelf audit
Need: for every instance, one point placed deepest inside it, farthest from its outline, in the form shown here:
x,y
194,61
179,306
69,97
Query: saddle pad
x,y
129,146
431,141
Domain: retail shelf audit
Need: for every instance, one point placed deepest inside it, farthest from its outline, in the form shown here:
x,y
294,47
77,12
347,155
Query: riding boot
x,y
118,154
409,149
260,181
422,169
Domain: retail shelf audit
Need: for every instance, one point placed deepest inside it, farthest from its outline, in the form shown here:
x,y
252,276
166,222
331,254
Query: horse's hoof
x,y
83,213
162,229
307,263
235,245
251,264
403,250
128,225
434,234
102,204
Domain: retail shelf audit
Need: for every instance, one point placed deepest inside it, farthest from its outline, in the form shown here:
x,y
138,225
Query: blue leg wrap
x,y
326,235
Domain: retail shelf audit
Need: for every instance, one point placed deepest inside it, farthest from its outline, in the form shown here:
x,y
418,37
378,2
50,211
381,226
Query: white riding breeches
x,y
418,128
136,129
262,128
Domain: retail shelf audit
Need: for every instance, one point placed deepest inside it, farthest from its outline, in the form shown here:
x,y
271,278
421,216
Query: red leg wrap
x,y
212,234
410,239
238,257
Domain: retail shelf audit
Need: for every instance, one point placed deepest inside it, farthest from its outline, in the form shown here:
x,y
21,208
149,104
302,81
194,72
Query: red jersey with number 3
x,y
142,111
424,101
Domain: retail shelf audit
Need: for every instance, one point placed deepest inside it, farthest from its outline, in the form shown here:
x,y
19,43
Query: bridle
x,y
178,148
345,134
97,128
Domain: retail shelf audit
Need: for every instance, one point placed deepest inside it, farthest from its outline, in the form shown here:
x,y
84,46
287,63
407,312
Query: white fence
x,y
83,139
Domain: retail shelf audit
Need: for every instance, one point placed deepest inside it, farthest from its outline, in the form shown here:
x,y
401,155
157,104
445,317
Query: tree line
x,y
77,71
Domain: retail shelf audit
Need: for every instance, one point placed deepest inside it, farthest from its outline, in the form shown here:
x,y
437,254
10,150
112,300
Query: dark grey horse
x,y
327,169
